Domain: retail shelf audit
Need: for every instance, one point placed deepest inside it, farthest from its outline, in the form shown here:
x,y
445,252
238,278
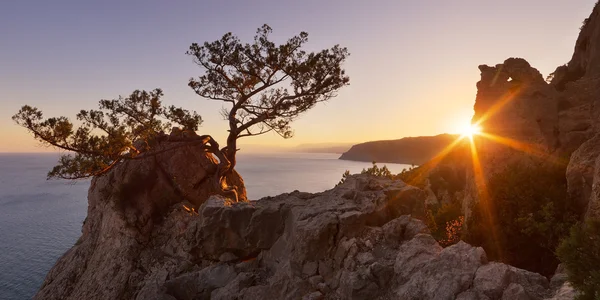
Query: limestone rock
x,y
292,246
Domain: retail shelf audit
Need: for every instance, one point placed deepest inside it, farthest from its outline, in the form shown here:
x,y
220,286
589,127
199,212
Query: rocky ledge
x,y
356,241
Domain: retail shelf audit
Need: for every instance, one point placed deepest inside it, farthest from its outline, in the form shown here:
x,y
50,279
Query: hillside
x,y
408,150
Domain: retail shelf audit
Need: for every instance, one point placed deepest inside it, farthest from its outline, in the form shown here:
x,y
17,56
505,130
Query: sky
x,y
413,63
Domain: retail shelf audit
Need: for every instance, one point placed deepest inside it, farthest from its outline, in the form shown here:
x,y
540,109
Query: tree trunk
x,y
233,180
231,149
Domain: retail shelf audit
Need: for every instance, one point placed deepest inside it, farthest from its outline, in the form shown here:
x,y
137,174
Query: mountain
x,y
408,150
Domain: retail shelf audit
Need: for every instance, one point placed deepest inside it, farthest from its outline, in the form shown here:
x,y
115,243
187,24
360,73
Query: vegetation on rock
x,y
445,221
120,129
266,86
580,253
377,171
525,217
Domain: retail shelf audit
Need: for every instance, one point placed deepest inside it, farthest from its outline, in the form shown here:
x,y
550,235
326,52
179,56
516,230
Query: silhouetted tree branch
x,y
267,85
107,135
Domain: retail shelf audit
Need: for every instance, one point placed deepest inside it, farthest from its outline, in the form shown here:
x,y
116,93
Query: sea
x,y
41,219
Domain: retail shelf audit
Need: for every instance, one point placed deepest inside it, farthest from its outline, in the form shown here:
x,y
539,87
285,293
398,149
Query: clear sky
x,y
413,63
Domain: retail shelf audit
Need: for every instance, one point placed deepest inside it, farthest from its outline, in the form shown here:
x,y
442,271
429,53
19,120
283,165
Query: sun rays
x,y
470,142
470,131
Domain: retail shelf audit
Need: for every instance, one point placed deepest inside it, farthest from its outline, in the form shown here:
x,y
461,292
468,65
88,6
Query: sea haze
x,y
41,219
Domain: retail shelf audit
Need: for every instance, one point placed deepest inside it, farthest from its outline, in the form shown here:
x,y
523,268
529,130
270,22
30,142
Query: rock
x,y
365,258
584,62
515,292
593,205
232,289
200,284
555,119
529,110
459,262
292,246
313,296
581,171
559,279
492,279
564,292
471,295
495,279
550,120
403,228
227,257
414,255
310,268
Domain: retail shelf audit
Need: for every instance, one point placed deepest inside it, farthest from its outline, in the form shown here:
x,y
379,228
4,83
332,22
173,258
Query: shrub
x,y
377,171
344,177
445,223
580,253
525,218
453,232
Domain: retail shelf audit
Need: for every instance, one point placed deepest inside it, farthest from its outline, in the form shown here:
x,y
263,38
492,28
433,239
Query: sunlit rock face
x,y
125,208
514,101
355,241
518,113
579,81
558,121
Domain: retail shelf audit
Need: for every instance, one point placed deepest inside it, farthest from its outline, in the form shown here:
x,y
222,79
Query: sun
x,y
470,131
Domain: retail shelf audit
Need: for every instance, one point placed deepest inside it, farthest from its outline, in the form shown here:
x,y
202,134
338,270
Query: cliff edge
x,y
409,150
356,241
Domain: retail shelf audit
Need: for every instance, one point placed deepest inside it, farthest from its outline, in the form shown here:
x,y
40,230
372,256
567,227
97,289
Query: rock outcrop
x,y
356,241
555,121
579,81
409,150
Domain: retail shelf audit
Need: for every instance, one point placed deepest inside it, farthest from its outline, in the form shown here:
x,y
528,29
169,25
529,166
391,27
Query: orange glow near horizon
x,y
470,131
497,107
424,169
528,148
479,174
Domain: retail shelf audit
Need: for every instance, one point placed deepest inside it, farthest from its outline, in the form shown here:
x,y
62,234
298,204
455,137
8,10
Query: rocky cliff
x,y
155,231
513,99
355,241
409,150
579,82
526,117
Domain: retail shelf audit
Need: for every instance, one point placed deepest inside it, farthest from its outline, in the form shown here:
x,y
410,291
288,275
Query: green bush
x,y
580,253
445,222
344,177
525,218
377,171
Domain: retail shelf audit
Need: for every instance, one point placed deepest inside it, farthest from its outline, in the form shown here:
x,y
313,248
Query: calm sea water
x,y
41,219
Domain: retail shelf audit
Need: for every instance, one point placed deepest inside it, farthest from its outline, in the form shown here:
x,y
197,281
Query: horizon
x,y
100,51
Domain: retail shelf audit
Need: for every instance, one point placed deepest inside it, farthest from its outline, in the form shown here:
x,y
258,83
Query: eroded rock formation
x,y
555,121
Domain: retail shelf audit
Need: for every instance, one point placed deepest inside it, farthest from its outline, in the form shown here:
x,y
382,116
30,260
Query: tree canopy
x,y
266,86
107,135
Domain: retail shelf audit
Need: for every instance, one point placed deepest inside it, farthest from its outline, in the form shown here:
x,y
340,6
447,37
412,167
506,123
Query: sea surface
x,y
41,219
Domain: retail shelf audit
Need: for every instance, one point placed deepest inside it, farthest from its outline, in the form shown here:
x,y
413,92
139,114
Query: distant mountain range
x,y
408,150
